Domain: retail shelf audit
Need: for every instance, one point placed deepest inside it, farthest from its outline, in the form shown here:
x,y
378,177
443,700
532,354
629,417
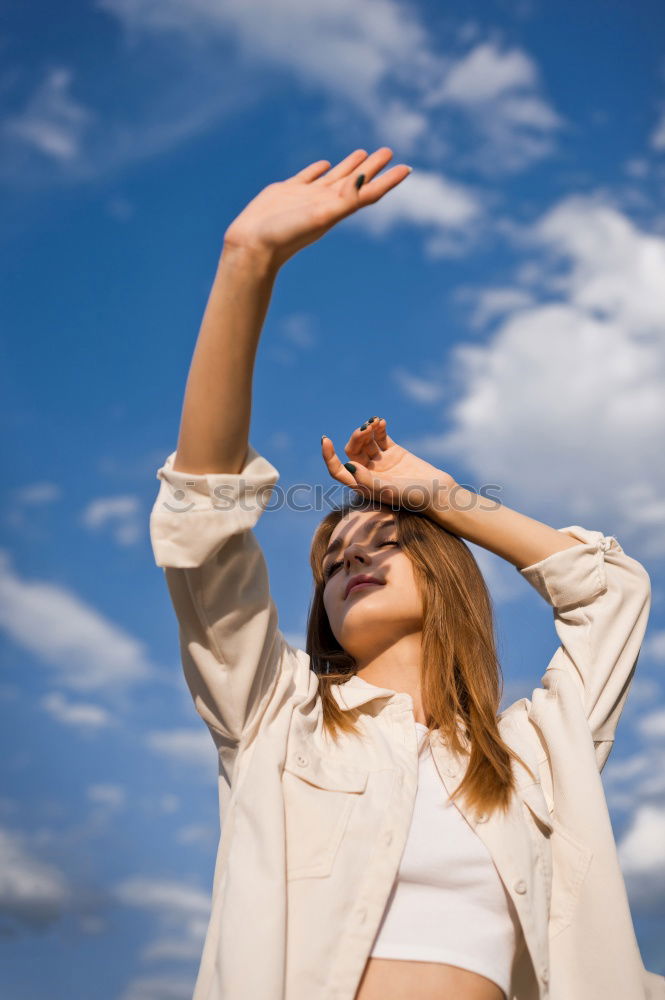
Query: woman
x,y
385,833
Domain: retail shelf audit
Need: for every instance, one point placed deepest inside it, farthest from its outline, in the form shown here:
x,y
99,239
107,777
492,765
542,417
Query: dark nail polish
x,y
351,467
371,419
363,426
360,180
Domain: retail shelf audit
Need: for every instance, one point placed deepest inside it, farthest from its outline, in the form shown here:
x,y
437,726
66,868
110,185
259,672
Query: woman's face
x,y
370,617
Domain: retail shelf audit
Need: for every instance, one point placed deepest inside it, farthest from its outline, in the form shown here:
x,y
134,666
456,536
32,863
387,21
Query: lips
x,y
356,580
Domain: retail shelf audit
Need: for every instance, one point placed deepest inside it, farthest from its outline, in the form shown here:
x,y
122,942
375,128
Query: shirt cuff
x,y
195,513
574,575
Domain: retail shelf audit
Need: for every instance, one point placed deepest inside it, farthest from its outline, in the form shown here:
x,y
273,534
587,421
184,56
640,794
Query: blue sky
x,y
503,308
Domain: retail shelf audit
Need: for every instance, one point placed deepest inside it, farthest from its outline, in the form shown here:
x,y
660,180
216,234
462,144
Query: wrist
x,y
251,258
441,497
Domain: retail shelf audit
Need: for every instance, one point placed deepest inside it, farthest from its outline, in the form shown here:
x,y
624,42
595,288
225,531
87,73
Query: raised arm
x,y
215,486
600,595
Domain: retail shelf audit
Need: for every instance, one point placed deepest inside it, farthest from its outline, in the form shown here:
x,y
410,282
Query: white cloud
x,y
652,725
417,389
85,650
33,892
38,493
52,122
376,60
81,716
190,746
499,89
182,912
451,211
486,73
654,646
642,856
123,513
488,303
564,403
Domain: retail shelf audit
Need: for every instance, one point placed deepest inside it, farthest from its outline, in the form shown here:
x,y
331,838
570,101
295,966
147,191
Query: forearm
x,y
515,537
214,427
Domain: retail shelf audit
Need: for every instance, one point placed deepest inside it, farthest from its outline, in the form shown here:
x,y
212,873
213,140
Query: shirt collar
x,y
357,691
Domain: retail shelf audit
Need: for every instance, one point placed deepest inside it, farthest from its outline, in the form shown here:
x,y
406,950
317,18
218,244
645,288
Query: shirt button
x,y
482,818
388,837
361,916
544,975
400,778
301,759
519,886
451,770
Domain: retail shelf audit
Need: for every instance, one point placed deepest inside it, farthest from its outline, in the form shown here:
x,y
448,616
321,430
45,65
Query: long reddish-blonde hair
x,y
461,677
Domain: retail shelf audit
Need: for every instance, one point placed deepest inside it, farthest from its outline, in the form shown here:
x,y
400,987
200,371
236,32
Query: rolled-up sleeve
x,y
201,533
601,598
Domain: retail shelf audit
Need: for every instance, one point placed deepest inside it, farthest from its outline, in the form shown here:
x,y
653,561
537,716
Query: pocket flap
x,y
535,800
326,774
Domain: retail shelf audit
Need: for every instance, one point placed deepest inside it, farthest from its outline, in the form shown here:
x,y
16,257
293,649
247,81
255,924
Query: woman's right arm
x,y
214,487
214,427
212,492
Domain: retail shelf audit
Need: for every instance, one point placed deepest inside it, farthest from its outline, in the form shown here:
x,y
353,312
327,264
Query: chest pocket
x,y
319,797
564,859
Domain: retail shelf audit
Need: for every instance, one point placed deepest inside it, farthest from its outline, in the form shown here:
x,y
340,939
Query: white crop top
x,y
448,902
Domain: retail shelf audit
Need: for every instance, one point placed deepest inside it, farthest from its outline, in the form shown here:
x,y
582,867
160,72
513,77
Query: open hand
x,y
386,472
288,215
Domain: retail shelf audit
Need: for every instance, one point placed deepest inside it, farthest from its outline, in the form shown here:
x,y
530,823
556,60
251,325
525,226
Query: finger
x,y
359,440
344,168
369,485
369,193
369,168
381,435
335,467
363,446
310,173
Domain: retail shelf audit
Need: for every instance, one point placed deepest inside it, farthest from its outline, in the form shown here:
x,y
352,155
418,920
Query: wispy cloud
x,y
500,90
123,513
189,746
82,716
33,892
377,60
52,122
85,650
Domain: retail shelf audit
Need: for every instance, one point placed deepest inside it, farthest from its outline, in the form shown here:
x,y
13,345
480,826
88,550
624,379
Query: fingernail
x,y
322,437
360,179
363,426
371,419
351,467
410,170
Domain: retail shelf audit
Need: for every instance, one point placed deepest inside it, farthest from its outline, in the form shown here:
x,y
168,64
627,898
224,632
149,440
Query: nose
x,y
353,554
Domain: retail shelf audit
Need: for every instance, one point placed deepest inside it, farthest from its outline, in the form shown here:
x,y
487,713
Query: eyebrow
x,y
334,546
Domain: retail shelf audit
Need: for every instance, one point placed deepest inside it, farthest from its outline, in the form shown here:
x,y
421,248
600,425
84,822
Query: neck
x,y
397,668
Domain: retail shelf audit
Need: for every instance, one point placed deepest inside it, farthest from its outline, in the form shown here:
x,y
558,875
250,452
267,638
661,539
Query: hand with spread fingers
x,y
381,470
288,215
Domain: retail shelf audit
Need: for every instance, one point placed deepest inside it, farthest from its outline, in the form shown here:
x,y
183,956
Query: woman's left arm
x,y
600,595
516,537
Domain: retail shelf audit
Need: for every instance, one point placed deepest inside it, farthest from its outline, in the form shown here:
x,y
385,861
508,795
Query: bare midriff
x,y
399,979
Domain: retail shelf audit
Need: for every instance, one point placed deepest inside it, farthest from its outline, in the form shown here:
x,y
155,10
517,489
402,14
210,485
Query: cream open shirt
x,y
312,833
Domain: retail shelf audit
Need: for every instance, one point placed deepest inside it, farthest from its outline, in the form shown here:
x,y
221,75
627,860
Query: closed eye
x,y
338,562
